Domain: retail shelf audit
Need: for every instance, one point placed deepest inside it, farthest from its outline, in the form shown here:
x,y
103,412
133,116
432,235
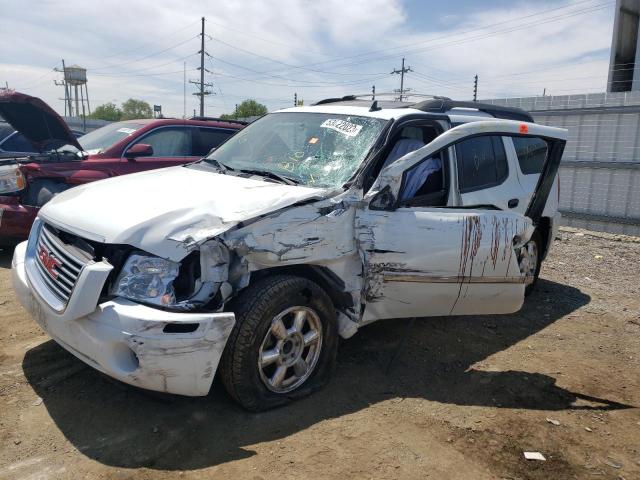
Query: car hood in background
x,y
167,211
37,121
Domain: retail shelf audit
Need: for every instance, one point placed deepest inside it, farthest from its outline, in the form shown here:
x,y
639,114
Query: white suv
x,y
306,225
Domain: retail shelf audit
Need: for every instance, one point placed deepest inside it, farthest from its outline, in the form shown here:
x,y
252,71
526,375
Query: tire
x,y
535,242
258,309
41,191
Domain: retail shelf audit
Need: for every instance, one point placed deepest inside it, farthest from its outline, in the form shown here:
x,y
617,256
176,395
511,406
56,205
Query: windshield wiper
x,y
275,176
217,163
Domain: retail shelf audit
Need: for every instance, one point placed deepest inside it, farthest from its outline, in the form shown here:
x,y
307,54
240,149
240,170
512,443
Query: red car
x,y
115,149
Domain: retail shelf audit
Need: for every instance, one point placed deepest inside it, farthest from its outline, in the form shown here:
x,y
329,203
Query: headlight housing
x,y
11,179
147,279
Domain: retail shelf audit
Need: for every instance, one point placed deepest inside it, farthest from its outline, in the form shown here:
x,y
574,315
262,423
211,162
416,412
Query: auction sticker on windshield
x,y
346,128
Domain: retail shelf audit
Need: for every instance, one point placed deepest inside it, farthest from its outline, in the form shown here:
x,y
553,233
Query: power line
x,y
357,82
482,28
280,77
145,57
483,36
287,64
282,44
452,42
129,72
143,45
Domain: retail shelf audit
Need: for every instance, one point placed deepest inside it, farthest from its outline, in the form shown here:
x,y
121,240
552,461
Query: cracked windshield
x,y
314,149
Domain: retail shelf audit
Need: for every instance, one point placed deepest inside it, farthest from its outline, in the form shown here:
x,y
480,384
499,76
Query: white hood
x,y
158,209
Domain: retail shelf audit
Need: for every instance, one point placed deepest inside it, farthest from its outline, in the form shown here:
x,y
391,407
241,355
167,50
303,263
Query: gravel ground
x,y
465,398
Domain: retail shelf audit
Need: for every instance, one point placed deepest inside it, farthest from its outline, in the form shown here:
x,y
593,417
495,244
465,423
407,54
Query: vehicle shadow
x,y
125,427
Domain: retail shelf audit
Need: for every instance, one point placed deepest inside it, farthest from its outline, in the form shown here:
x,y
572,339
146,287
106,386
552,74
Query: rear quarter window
x,y
482,163
532,153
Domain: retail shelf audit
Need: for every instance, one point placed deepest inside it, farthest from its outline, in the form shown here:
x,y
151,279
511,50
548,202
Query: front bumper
x,y
15,220
126,340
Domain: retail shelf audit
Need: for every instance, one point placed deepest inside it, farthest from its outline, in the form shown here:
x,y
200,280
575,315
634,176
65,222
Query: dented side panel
x,y
427,262
320,233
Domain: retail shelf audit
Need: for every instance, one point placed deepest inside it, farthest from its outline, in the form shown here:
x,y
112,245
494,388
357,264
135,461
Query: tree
x,y
133,108
248,108
108,111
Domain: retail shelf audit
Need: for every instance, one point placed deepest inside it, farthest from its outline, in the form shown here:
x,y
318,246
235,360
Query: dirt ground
x,y
465,398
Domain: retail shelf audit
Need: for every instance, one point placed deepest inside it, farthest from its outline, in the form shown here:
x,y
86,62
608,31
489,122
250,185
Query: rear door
x,y
206,138
422,259
530,154
487,172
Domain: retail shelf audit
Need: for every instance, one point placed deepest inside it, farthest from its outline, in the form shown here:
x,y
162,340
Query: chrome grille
x,y
58,267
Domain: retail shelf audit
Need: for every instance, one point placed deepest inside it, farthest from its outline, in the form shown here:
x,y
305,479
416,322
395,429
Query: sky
x,y
269,50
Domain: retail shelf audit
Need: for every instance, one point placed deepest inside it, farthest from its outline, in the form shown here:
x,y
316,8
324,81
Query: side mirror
x,y
139,150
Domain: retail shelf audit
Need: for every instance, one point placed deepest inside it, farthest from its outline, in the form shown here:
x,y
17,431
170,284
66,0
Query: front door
x,y
428,257
422,261
171,146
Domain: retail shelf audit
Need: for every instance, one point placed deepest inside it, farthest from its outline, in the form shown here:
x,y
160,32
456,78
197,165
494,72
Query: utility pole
x,y
67,94
184,90
201,83
402,71
202,70
373,92
475,88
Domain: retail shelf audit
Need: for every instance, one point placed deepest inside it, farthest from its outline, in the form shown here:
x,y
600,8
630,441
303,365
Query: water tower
x,y
75,78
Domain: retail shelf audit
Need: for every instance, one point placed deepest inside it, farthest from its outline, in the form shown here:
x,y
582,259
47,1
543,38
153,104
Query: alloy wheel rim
x,y
290,349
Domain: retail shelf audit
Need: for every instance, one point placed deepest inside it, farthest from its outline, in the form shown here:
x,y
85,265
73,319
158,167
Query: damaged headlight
x,y
147,279
11,179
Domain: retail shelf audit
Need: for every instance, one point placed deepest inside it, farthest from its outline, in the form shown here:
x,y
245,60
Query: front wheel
x,y
530,261
283,345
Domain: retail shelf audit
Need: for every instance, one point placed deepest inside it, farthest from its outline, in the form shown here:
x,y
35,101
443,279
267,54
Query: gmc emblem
x,y
49,262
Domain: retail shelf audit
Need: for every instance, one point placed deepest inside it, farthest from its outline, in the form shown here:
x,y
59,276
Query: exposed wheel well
x,y
325,278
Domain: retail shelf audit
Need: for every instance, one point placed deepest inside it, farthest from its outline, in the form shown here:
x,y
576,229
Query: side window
x,y
169,142
204,139
17,143
532,153
425,183
482,163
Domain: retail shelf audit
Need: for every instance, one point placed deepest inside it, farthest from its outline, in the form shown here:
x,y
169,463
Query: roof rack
x,y
439,104
216,119
346,98
366,97
442,105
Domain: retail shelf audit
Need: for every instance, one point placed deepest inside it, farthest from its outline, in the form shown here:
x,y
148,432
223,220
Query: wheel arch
x,y
331,283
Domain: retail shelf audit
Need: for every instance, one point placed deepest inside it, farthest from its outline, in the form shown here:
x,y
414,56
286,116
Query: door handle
x,y
513,203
